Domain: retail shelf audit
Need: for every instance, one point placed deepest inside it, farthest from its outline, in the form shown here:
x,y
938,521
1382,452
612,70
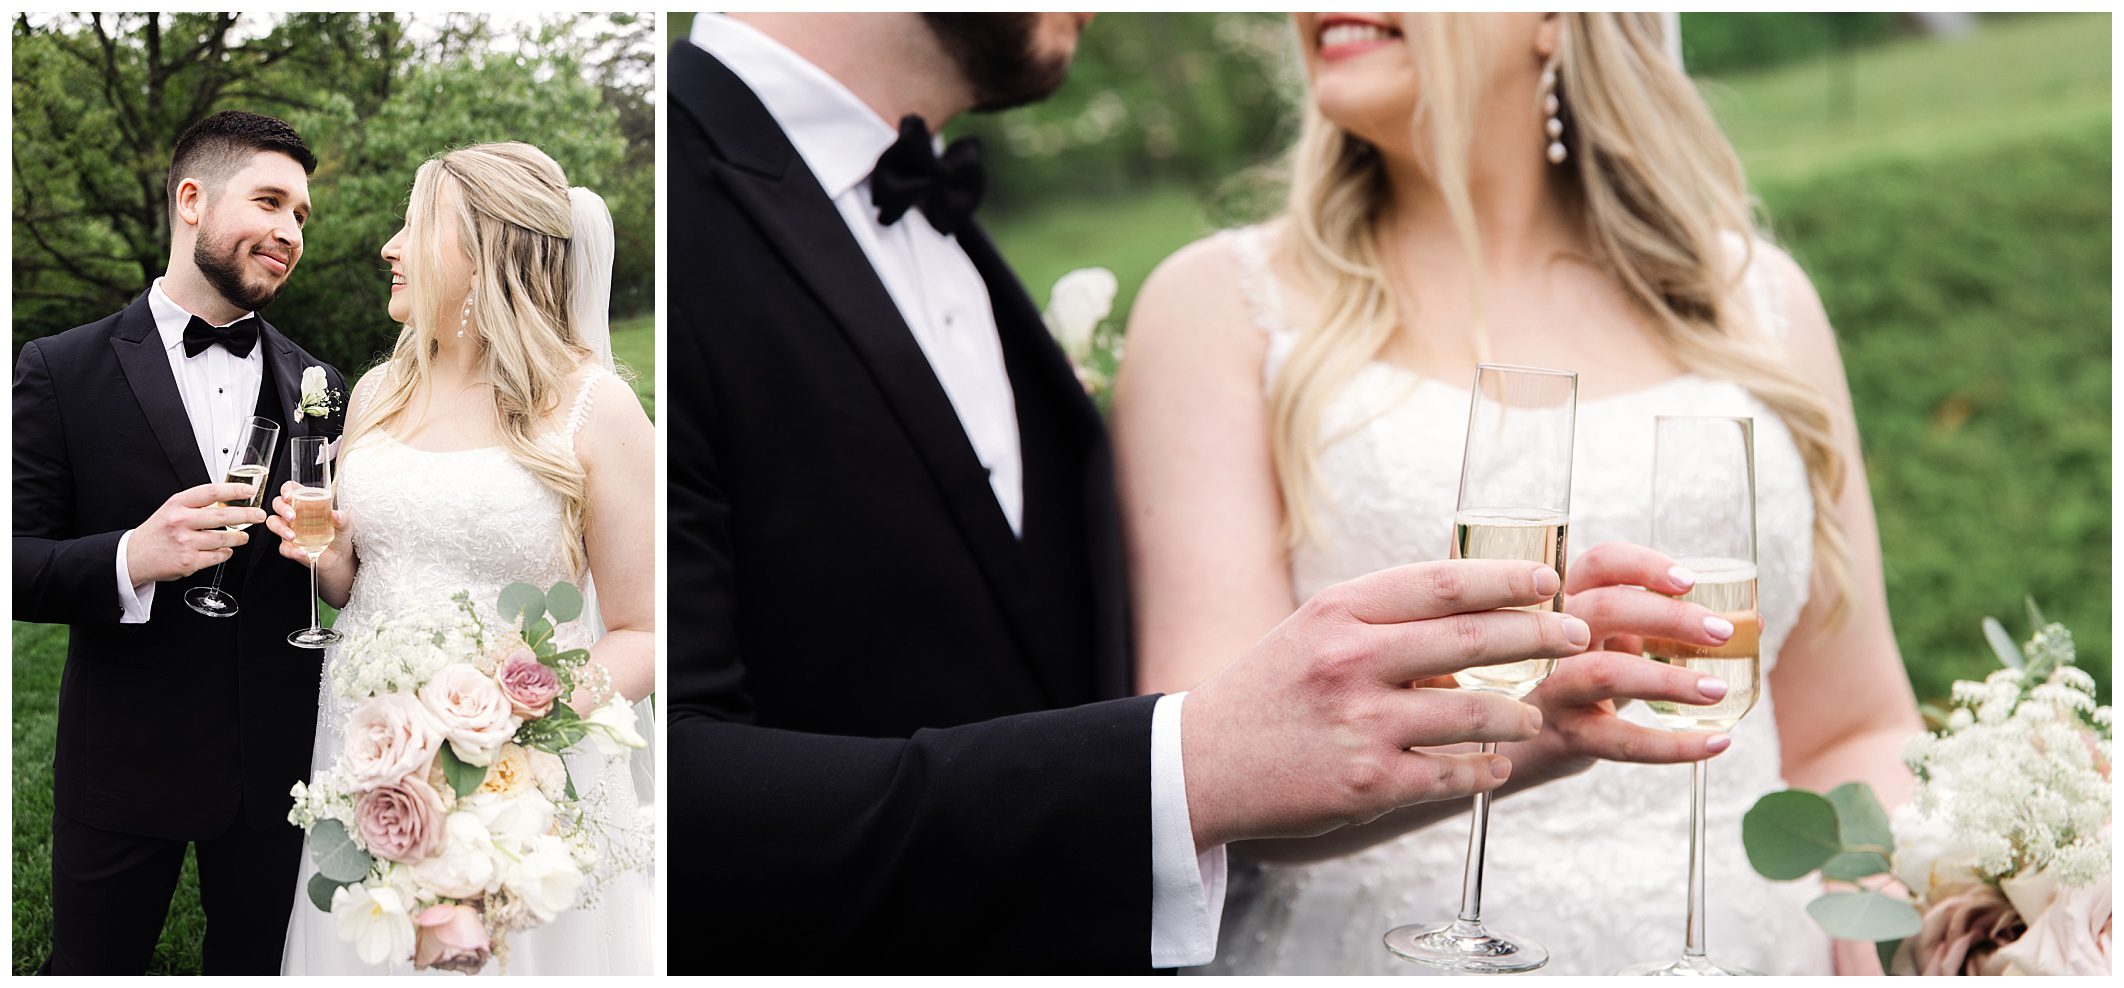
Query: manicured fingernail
x,y
1682,576
1719,627
1500,767
1546,582
1711,688
1718,743
1533,717
1576,632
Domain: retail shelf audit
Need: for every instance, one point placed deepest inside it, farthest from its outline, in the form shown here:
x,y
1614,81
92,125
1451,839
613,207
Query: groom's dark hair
x,y
215,147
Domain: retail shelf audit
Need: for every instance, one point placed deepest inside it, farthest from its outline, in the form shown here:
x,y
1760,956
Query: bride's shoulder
x,y
1783,296
1206,288
602,411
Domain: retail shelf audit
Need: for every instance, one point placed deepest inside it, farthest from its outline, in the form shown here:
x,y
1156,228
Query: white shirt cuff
x,y
134,602
1187,889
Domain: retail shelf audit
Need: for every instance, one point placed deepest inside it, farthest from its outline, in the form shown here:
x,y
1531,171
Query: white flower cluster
x,y
2016,784
402,650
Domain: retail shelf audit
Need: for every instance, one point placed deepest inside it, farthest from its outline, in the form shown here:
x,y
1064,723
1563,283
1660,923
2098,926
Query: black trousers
x,y
111,893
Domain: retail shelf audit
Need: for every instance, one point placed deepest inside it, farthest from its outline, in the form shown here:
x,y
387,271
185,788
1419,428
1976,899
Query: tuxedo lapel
x,y
768,179
140,354
283,370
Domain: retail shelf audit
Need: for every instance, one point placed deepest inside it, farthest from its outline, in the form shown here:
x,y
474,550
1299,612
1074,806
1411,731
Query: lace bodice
x,y
1593,867
426,524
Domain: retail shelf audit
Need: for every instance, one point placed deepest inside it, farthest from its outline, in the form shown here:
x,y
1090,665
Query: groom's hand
x,y
187,534
1311,729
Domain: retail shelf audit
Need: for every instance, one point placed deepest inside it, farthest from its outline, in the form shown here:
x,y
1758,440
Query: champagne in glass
x,y
1515,503
251,463
1703,515
311,470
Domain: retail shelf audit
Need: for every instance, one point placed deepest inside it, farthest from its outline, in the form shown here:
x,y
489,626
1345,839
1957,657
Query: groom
x,y
901,731
174,728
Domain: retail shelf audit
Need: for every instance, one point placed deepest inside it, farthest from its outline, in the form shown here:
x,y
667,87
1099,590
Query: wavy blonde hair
x,y
1659,188
512,218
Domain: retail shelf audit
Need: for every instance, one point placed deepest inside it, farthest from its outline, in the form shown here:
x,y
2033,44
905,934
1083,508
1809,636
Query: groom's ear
x,y
189,203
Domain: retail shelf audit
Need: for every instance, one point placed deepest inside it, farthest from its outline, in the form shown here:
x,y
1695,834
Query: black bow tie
x,y
911,174
239,336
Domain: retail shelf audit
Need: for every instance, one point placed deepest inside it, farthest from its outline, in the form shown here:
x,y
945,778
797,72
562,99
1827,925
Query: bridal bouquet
x,y
449,819
2002,853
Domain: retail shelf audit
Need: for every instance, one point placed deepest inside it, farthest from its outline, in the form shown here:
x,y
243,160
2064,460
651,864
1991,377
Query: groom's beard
x,y
995,52
223,265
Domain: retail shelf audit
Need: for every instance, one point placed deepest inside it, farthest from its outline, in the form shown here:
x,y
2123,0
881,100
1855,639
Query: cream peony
x,y
471,710
513,821
546,878
466,866
377,921
388,739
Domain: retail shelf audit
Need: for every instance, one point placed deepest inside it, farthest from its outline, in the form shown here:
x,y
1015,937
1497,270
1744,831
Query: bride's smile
x,y
1341,36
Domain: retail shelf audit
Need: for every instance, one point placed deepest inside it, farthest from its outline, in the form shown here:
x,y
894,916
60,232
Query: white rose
x,y
387,739
1080,301
465,867
546,878
377,921
612,727
1927,853
472,711
514,820
313,381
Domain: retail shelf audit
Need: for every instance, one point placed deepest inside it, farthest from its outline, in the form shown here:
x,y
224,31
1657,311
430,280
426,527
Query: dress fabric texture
x,y
1593,867
425,525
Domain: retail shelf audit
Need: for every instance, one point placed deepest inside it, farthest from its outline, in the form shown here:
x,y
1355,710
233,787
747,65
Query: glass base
x,y
210,602
313,638
1688,967
1458,946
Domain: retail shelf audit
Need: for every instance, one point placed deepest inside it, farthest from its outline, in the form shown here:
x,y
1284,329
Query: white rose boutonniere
x,y
318,400
1078,305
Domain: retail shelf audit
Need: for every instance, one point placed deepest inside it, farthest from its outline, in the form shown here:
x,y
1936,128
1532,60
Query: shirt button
x,y
221,391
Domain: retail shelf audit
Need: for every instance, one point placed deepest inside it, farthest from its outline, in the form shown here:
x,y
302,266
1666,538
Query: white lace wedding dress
x,y
427,524
1593,867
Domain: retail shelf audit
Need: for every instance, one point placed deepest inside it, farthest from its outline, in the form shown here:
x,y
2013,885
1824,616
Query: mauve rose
x,y
2071,930
529,684
1963,929
450,937
402,821
388,739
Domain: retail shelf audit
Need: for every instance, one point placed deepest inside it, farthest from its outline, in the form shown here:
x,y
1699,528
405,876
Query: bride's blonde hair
x,y
512,219
1660,189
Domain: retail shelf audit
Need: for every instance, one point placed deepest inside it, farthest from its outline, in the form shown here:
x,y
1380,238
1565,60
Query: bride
x,y
495,445
1300,386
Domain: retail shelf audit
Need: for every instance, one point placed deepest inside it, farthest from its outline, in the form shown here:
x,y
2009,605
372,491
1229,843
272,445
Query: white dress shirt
x,y
220,393
944,302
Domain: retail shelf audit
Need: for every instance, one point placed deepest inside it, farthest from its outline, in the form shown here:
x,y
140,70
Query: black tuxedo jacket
x,y
174,727
888,746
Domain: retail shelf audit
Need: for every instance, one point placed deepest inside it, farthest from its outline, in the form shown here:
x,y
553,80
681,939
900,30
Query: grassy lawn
x,y
40,651
1957,227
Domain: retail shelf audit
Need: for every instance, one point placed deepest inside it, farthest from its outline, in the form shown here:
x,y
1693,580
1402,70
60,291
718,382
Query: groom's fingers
x,y
1421,591
1427,777
224,517
1429,718
1440,646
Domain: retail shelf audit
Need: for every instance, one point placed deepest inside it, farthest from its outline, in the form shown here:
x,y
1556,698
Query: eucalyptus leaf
x,y
464,778
539,633
2002,643
564,602
521,604
1861,824
1865,916
337,856
321,889
1790,833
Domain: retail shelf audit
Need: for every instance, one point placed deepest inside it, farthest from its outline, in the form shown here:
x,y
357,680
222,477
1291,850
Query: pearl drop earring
x,y
466,322
1551,106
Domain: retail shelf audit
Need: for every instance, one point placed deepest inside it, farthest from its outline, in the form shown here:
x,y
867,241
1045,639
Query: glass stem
x,y
1469,922
1693,948
313,591
216,584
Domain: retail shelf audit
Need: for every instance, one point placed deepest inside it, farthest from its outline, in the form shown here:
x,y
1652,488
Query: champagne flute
x,y
1515,503
251,463
311,470
1703,515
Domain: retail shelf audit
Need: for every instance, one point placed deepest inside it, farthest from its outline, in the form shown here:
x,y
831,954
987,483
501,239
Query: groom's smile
x,y
250,235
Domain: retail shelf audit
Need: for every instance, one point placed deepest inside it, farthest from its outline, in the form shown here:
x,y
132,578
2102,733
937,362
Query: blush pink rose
x,y
1964,927
451,937
401,821
388,739
529,684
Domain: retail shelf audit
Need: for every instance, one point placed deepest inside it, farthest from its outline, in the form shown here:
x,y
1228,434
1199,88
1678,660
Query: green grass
x,y
1958,231
40,652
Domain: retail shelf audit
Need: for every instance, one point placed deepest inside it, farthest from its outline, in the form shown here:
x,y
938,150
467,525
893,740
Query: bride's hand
x,y
282,523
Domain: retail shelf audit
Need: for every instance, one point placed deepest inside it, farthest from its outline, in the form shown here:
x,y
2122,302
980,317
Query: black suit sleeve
x,y
58,580
1016,844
